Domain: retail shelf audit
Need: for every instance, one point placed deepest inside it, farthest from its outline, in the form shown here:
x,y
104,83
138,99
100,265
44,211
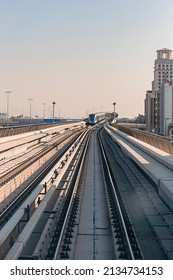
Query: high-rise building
x,y
163,68
166,108
149,111
159,99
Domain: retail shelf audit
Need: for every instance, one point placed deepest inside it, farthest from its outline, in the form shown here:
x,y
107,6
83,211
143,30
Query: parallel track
x,y
60,244
16,170
40,174
122,229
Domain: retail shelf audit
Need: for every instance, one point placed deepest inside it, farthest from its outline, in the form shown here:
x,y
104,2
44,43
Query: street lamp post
x,y
53,103
114,109
44,109
30,99
8,102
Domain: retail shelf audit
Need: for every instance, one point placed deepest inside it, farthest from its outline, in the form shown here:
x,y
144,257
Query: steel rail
x,y
77,175
119,207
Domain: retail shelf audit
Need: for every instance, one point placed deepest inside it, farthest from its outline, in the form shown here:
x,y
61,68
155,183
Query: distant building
x,y
149,111
166,107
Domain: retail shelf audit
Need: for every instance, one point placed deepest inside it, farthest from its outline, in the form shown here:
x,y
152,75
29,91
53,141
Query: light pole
x,y
53,103
44,109
30,99
8,102
114,109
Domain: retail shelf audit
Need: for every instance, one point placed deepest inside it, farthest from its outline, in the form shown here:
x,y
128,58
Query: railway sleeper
x,y
67,241
66,247
70,229
123,255
57,231
68,235
118,235
130,233
53,246
50,255
120,240
137,255
55,239
122,247
117,228
135,247
72,222
64,255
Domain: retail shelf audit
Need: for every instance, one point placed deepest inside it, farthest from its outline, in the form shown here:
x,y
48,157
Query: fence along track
x,y
157,141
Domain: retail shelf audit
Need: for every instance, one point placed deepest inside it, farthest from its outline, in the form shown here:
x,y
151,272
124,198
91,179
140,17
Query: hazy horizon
x,y
84,55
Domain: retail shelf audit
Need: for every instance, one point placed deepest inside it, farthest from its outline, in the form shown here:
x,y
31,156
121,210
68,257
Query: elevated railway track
x,y
6,131
95,202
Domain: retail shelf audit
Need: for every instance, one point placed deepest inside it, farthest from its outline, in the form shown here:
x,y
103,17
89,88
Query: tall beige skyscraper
x,y
163,68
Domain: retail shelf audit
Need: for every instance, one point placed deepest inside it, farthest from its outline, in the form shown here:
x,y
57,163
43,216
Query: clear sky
x,y
82,54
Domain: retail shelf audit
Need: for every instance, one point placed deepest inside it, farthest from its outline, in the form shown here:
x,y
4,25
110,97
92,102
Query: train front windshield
x,y
92,117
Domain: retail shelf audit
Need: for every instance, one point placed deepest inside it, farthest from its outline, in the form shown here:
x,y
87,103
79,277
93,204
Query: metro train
x,y
95,118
